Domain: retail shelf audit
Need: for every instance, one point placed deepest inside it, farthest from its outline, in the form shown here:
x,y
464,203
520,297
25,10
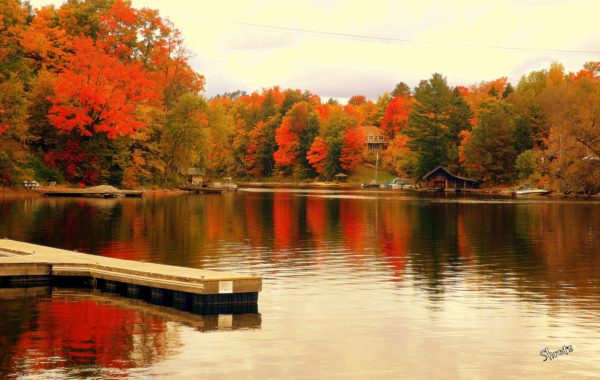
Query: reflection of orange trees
x,y
285,221
394,234
463,242
568,247
316,221
253,219
353,218
83,333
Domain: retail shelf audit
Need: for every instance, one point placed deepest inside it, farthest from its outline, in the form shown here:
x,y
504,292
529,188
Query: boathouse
x,y
340,177
195,176
440,178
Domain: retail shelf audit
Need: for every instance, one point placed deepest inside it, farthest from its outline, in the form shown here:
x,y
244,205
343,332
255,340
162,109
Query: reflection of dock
x,y
222,321
202,291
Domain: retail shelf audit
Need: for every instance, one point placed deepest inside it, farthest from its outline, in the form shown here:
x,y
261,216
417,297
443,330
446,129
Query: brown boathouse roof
x,y
426,176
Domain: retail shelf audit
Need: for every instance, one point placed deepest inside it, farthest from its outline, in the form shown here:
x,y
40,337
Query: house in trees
x,y
441,179
374,138
195,176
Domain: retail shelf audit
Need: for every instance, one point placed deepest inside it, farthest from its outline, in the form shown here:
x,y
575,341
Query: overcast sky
x,y
340,48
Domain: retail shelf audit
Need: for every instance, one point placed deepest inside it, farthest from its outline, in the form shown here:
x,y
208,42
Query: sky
x,y
338,48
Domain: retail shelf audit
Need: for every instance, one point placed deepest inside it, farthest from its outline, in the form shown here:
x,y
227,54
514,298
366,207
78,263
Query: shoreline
x,y
16,193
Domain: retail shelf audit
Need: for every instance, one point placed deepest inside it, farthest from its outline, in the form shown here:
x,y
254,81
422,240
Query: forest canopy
x,y
96,91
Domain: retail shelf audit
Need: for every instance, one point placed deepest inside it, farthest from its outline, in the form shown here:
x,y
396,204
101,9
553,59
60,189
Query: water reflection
x,y
444,276
83,333
530,246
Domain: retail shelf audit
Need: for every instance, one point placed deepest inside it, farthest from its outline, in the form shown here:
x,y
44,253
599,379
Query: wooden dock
x,y
199,189
90,193
197,290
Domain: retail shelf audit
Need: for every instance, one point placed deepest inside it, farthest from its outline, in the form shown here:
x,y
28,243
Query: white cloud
x,y
447,37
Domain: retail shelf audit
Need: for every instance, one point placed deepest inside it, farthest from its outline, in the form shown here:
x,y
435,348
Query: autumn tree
x,y
13,129
220,134
395,117
98,93
261,147
45,43
183,136
13,23
357,100
398,158
353,148
317,155
573,109
294,136
326,149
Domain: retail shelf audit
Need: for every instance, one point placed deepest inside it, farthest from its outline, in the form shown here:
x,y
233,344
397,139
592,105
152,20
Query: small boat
x,y
398,183
532,191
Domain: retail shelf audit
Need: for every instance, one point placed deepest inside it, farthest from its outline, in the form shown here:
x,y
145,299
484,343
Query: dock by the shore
x,y
97,192
184,288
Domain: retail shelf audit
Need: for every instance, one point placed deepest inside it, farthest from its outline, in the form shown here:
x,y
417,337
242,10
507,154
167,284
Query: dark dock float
x,y
197,290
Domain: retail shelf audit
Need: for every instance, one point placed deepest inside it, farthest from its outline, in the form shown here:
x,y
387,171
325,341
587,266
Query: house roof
x,y
447,172
371,131
340,175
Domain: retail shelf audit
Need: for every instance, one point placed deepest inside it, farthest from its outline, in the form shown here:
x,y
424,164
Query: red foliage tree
x,y
317,154
75,162
352,150
288,136
98,94
357,100
395,118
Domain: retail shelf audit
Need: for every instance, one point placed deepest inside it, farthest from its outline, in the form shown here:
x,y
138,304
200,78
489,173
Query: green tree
x,y
13,129
401,89
489,153
333,133
428,124
183,136
459,120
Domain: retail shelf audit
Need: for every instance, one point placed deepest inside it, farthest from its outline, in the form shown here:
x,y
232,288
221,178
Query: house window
x,y
380,138
371,138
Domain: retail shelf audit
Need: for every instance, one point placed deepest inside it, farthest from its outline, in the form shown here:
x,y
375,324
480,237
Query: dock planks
x,y
23,262
91,193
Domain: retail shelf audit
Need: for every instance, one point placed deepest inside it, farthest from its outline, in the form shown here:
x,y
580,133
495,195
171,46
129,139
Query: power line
x,y
393,40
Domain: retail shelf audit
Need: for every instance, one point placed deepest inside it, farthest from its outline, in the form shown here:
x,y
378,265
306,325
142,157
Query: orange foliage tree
x,y
98,93
317,155
353,149
395,118
45,43
293,138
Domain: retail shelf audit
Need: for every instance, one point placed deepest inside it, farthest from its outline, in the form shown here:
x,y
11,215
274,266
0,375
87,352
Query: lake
x,y
356,285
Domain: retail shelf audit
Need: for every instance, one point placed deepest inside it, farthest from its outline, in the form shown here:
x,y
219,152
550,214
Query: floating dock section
x,y
196,290
91,193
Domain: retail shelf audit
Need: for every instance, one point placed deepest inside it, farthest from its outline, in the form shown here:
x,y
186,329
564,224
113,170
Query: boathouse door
x,y
439,184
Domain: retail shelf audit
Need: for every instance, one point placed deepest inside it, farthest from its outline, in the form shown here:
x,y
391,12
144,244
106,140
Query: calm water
x,y
375,285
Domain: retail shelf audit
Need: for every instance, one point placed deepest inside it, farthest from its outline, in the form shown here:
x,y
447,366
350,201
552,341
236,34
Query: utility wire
x,y
383,39
392,40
